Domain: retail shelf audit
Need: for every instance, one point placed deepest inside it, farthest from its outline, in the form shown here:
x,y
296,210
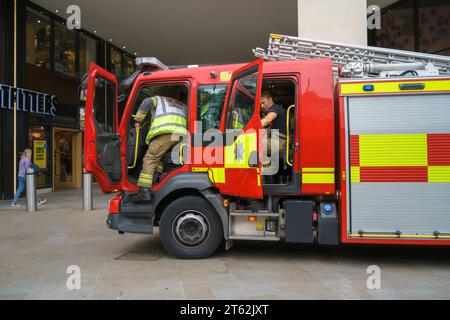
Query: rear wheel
x,y
190,228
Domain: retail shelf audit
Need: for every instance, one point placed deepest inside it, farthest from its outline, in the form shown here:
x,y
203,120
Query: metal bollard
x,y
87,192
31,191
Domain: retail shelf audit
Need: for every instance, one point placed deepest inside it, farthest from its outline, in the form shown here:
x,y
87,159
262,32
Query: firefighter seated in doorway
x,y
274,117
168,117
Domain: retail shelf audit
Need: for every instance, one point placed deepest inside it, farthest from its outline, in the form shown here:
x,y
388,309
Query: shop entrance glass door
x,y
67,158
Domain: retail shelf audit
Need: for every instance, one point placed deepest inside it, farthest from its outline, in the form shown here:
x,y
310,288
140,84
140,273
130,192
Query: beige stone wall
x,y
333,20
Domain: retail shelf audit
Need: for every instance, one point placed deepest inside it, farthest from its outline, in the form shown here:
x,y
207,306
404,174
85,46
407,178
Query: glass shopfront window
x,y
434,19
116,63
2,53
64,49
129,66
88,53
64,150
422,25
38,39
38,142
397,28
444,52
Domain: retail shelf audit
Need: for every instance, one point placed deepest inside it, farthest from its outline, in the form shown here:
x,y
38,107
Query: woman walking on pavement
x,y
24,164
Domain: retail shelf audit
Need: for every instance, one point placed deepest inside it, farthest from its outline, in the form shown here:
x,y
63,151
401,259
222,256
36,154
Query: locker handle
x,y
412,86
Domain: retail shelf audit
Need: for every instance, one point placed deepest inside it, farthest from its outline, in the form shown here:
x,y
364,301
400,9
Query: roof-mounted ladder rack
x,y
356,61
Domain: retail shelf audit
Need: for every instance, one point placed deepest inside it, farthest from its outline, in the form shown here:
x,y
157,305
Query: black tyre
x,y
190,228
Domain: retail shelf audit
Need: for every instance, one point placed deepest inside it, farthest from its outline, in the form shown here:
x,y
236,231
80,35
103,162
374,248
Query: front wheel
x,y
190,228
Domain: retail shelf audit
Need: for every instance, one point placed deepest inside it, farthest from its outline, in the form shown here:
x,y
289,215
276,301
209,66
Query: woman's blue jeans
x,y
22,184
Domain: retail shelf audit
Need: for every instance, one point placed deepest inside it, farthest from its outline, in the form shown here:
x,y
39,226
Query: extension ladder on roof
x,y
357,61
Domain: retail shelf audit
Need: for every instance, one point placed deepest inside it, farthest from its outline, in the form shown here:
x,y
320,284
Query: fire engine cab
x,y
367,157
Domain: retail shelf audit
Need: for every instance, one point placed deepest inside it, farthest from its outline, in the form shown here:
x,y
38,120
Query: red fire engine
x,y
367,158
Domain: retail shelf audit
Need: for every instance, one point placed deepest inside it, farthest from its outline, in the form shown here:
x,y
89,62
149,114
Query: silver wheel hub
x,y
191,228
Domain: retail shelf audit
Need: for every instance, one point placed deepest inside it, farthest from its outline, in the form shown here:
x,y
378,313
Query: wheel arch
x,y
188,184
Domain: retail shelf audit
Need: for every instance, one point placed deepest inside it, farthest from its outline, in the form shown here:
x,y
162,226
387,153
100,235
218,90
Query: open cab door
x,y
102,155
241,124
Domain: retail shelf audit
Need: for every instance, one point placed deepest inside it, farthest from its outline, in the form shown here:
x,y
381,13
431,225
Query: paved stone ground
x,y
36,249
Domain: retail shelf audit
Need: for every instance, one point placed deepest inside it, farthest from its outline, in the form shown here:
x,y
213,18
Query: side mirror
x,y
83,87
83,94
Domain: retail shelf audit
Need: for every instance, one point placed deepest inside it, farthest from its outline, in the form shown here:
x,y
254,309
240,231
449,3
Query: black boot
x,y
144,195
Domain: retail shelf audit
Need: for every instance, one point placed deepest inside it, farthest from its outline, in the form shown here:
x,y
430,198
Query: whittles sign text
x,y
27,100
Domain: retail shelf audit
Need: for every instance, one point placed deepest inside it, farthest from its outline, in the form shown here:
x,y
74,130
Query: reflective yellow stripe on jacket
x,y
166,124
169,117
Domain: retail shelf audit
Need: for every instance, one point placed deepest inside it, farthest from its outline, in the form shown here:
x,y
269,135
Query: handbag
x,y
35,167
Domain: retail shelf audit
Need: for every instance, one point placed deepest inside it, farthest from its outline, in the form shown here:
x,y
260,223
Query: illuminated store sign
x,y
27,100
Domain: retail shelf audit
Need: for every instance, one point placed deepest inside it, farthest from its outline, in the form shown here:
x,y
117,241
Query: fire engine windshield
x,y
210,100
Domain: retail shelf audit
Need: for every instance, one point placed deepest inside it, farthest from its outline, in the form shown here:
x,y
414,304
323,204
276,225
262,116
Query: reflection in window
x,y
444,52
104,106
429,33
116,63
434,19
210,101
38,39
64,144
64,50
397,28
88,53
129,66
242,102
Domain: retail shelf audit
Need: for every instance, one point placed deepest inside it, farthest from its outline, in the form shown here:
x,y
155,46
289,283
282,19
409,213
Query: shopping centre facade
x,y
41,65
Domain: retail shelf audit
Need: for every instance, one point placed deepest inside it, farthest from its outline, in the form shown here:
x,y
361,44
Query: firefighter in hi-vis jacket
x,y
168,116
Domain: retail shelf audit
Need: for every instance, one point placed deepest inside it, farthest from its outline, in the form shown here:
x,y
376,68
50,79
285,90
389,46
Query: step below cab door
x,y
102,155
241,123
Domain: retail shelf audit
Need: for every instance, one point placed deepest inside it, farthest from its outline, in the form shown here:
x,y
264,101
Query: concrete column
x,y
333,20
